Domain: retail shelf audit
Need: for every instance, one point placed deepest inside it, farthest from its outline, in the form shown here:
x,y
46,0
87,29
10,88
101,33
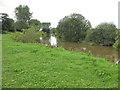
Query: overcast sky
x,y
96,11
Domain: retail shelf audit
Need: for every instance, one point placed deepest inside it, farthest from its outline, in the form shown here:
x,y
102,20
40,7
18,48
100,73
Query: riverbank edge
x,y
54,48
0,61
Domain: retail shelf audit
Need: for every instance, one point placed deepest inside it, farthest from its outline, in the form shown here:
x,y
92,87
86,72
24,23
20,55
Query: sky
x,y
96,11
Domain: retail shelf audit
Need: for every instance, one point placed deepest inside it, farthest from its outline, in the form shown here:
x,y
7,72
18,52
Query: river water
x,y
107,52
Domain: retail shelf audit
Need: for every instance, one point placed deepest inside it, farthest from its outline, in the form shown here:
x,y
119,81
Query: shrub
x,y
17,36
117,43
30,35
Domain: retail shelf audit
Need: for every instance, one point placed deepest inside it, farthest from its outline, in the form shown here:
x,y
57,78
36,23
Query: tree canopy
x,y
19,26
23,14
103,34
73,27
35,23
7,23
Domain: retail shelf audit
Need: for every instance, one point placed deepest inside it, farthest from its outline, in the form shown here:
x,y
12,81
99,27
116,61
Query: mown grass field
x,y
32,65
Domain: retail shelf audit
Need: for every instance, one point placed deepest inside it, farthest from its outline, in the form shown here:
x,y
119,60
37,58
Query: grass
x,y
32,65
0,61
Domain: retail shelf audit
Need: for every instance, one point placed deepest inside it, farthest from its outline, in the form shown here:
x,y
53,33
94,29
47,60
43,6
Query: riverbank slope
x,y
32,65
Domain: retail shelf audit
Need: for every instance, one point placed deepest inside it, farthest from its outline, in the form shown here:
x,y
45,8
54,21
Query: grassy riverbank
x,y
32,65
0,61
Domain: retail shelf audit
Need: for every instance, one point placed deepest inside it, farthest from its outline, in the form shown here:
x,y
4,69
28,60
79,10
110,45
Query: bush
x,y
103,34
117,43
30,35
17,36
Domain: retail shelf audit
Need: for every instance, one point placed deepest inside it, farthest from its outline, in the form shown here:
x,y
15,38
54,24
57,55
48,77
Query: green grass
x,y
32,65
0,61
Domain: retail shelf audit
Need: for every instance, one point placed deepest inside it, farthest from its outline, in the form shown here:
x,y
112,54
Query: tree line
x,y
23,21
74,28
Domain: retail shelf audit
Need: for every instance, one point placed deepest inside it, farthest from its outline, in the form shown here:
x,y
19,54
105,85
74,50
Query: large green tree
x,y
73,27
35,23
23,16
19,26
103,34
7,23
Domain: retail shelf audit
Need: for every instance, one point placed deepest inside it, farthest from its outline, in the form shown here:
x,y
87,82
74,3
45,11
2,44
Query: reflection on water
x,y
106,52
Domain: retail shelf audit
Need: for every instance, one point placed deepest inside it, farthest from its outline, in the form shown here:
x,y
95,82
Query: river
x,y
107,52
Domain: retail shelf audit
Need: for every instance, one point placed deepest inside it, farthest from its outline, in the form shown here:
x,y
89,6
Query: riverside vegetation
x,y
43,66
28,64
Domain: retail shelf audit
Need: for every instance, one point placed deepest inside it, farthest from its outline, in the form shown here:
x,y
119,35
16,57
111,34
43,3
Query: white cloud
x,y
96,11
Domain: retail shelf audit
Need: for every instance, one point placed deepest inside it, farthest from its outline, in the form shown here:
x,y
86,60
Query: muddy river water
x,y
107,52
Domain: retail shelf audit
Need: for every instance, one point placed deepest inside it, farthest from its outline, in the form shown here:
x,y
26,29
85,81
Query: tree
x,y
0,27
73,27
103,34
23,16
4,17
7,23
10,25
19,26
46,27
36,23
0,24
